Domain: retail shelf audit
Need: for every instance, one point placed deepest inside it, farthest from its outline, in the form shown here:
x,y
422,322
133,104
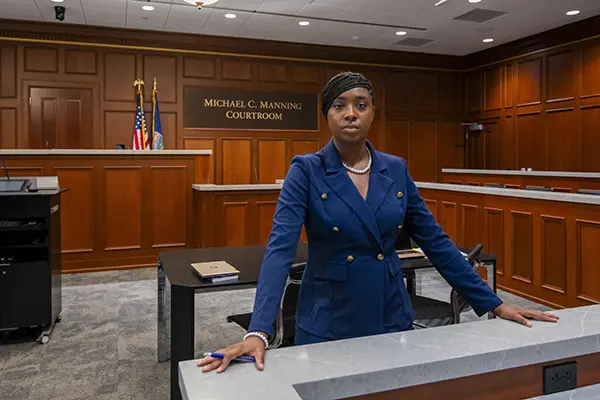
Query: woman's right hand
x,y
252,346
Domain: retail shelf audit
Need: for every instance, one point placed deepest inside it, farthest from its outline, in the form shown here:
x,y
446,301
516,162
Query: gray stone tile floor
x,y
105,346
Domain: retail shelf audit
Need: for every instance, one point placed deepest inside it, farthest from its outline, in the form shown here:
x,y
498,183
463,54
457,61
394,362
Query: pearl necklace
x,y
360,171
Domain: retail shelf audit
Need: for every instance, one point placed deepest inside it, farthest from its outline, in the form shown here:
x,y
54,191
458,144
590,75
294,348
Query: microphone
x,y
4,166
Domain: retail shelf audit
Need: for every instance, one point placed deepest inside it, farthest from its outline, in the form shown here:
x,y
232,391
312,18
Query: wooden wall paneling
x,y
529,82
531,142
118,128
272,72
236,223
123,207
41,59
423,92
304,147
397,92
375,135
199,67
508,143
272,160
120,71
81,62
588,260
450,93
164,69
474,91
492,142
169,191
470,225
554,253
449,220
208,173
8,128
509,86
265,211
493,240
78,204
397,137
590,74
560,76
237,70
306,74
422,151
522,233
493,85
590,139
449,146
237,161
563,141
8,71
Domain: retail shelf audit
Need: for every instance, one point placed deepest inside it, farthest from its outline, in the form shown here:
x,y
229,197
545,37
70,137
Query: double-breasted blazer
x,y
353,283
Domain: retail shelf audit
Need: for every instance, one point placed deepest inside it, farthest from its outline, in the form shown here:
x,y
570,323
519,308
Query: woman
x,y
352,201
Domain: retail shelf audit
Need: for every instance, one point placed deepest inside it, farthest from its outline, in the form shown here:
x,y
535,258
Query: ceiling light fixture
x,y
401,33
474,1
57,1
439,3
230,16
201,4
573,12
303,23
147,8
355,37
490,40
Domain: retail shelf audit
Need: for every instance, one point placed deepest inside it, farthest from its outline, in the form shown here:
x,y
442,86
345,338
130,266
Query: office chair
x,y
538,188
430,313
589,191
285,323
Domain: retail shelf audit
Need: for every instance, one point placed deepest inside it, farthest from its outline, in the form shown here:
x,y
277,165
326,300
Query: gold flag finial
x,y
138,84
154,83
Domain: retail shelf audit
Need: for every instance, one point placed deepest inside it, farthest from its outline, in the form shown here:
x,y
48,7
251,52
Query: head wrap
x,y
341,83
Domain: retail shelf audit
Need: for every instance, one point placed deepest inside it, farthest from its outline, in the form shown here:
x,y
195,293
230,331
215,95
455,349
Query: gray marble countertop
x,y
372,364
591,392
521,193
218,188
556,174
101,152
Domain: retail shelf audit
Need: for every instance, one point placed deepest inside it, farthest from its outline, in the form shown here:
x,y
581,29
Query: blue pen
x,y
240,358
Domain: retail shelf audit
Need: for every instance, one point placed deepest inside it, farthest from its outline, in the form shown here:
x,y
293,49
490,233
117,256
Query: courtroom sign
x,y
229,108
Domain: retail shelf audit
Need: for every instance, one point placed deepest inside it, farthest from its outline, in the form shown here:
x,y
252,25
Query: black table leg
x,y
182,333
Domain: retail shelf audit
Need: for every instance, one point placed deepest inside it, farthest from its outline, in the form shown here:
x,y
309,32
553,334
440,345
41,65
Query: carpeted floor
x,y
105,346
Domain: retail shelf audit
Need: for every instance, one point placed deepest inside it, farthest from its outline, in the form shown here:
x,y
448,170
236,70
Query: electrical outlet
x,y
558,378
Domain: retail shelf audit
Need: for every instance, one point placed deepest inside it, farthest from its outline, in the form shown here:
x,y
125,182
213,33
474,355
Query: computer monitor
x,y
13,185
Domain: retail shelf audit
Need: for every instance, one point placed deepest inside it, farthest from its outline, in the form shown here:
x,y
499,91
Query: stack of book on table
x,y
216,271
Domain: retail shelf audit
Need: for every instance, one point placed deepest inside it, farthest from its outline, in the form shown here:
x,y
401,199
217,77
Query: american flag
x,y
140,132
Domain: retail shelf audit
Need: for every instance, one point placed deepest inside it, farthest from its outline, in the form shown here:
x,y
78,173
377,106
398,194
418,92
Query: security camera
x,y
59,13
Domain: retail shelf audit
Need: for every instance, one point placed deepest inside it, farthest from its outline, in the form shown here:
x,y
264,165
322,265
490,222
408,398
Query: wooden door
x,y
60,118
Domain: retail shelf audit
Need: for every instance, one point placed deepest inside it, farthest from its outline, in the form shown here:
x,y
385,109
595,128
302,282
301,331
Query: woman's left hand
x,y
521,315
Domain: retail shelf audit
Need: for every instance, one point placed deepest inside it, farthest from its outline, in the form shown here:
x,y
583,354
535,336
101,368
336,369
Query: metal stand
x,y
44,337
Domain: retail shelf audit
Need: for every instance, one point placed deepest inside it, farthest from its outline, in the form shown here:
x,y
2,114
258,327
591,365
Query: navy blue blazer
x,y
353,285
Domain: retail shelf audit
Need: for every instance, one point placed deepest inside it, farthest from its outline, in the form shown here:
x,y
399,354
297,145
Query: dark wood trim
x,y
513,383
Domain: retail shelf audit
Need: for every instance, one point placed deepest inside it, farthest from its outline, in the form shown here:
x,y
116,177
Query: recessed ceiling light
x,y
230,16
355,37
439,3
573,12
400,33
147,8
474,1
303,23
490,40
57,1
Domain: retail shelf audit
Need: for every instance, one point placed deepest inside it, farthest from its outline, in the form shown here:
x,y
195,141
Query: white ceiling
x,y
524,18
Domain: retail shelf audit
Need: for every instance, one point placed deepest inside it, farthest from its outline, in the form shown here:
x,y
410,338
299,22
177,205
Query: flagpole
x,y
138,84
153,112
